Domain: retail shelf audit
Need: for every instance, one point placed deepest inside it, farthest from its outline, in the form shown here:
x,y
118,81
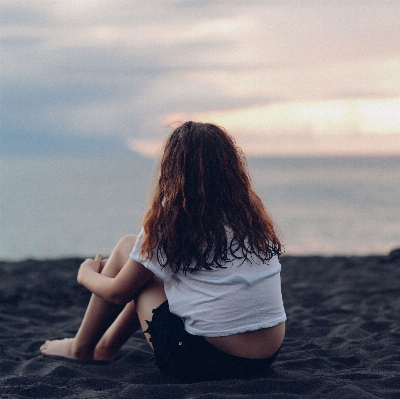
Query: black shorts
x,y
193,358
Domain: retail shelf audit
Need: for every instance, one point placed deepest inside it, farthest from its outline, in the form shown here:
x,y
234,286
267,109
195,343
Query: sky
x,y
299,77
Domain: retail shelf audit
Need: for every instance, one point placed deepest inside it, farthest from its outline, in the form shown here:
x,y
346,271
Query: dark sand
x,y
342,341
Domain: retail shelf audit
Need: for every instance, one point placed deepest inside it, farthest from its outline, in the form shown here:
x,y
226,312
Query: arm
x,y
118,290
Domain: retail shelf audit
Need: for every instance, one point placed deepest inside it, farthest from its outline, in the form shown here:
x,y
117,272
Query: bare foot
x,y
59,347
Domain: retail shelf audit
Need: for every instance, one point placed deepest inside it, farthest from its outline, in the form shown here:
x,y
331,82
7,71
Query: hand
x,y
102,264
89,266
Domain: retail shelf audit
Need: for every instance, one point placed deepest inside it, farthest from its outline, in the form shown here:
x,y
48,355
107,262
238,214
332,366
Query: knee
x,y
125,245
119,256
127,241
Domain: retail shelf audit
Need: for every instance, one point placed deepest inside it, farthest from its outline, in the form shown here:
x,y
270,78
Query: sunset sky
x,y
303,77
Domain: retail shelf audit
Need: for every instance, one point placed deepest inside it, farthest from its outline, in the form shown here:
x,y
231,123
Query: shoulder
x,y
152,263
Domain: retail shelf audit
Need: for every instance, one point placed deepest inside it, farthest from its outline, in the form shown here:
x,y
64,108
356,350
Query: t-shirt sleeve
x,y
165,273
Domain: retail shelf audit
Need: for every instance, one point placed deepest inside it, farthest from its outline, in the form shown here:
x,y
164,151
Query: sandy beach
x,y
342,340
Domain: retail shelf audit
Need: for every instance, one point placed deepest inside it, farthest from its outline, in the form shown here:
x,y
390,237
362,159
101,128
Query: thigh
x,y
150,297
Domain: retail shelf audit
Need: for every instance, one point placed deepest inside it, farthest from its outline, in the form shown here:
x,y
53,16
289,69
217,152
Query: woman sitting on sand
x,y
202,278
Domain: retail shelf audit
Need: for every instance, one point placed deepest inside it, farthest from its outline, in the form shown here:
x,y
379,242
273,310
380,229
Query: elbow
x,y
118,296
118,299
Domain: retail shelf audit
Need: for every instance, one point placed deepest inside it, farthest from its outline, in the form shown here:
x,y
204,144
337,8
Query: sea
x,y
67,206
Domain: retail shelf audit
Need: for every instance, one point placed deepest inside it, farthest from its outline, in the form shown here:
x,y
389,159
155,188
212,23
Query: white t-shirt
x,y
244,296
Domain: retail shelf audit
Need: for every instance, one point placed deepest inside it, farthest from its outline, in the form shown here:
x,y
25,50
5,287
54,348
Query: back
x,y
243,296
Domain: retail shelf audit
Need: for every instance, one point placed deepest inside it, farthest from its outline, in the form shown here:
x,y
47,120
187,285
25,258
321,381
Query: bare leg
x,y
150,297
99,315
119,332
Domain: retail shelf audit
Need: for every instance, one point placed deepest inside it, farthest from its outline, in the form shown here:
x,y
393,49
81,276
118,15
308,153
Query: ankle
x,y
104,352
81,352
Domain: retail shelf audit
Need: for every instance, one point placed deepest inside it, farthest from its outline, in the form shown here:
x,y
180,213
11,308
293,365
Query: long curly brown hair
x,y
204,190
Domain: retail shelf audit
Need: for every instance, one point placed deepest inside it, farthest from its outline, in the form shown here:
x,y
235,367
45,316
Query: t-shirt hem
x,y
271,323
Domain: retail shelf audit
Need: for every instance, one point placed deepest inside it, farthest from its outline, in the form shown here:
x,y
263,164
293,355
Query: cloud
x,y
92,68
334,80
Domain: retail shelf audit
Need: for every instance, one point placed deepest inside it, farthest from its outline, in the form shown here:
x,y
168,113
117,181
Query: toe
x,y
44,347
